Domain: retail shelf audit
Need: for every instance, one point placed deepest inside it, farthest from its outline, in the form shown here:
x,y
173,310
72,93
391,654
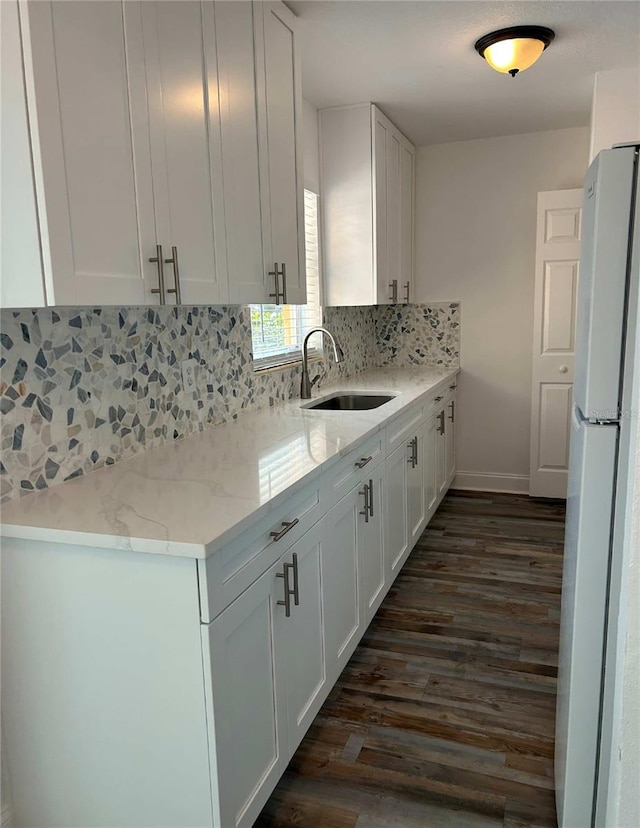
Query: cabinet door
x,y
429,466
416,498
396,489
394,208
281,177
441,453
248,700
180,62
248,281
21,276
406,211
450,438
371,548
381,139
88,112
342,626
300,651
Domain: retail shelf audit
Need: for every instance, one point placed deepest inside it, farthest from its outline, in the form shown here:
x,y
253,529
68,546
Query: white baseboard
x,y
480,482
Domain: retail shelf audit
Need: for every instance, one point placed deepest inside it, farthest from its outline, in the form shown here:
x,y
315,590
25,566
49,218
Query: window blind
x,y
277,331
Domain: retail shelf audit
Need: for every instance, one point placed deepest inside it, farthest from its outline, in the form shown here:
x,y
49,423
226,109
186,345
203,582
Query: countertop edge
x,y
16,531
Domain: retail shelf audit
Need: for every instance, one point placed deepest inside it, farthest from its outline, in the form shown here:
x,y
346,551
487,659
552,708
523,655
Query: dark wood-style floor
x,y
445,714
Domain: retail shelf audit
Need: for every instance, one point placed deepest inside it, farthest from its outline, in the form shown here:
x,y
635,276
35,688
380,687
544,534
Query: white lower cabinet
x,y
245,701
264,678
207,673
397,529
441,453
353,567
429,467
416,500
450,436
343,618
371,545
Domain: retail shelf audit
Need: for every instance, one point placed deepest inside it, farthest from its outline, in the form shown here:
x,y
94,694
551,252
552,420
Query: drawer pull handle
x,y
367,508
363,461
288,526
439,399
176,274
452,387
288,592
160,263
296,586
413,458
276,278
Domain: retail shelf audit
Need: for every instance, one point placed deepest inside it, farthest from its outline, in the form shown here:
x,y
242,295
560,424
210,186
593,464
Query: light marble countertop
x,y
191,497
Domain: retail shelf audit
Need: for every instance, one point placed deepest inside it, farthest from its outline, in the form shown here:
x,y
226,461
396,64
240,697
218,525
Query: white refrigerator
x,y
605,335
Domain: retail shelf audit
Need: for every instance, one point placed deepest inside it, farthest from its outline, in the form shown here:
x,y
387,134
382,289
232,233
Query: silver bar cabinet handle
x,y
370,498
287,591
441,426
365,511
394,291
452,416
415,450
176,274
407,287
363,461
451,387
288,526
158,259
296,589
276,278
438,399
411,456
283,273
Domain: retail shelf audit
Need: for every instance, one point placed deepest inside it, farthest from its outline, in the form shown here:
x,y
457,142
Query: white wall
x,y
475,242
615,112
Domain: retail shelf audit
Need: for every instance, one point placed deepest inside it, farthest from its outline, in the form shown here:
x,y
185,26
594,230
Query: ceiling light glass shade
x,y
512,50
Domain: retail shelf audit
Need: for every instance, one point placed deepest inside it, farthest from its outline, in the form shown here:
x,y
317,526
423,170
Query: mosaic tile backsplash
x,y
84,387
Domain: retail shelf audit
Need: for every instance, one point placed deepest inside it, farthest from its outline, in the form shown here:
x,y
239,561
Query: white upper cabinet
x,y
368,173
261,119
186,160
19,242
92,166
165,153
280,131
248,270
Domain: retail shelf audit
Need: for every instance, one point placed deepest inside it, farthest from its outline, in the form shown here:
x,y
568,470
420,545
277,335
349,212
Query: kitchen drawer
x,y
228,572
348,471
404,427
436,403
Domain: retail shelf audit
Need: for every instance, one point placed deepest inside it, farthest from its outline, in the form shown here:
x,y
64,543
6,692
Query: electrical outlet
x,y
188,367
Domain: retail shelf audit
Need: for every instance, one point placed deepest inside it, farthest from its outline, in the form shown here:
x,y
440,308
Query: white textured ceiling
x,y
416,60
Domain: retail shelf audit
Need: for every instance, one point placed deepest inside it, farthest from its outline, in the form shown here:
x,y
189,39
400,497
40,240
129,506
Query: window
x,y
277,331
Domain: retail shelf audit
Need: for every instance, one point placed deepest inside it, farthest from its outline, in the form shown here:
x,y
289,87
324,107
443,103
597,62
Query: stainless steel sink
x,y
351,402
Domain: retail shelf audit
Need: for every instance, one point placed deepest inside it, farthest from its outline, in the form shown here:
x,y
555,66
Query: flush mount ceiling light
x,y
515,49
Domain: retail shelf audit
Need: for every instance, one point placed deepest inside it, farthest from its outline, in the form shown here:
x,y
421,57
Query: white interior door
x,y
554,328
